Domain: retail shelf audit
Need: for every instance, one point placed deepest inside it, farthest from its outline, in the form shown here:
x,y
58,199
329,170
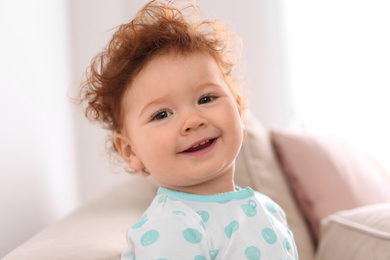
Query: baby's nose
x,y
193,122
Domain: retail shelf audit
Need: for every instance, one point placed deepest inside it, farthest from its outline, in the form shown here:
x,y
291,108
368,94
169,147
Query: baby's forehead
x,y
169,74
190,64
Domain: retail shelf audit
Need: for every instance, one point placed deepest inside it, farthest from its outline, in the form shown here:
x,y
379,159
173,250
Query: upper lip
x,y
199,142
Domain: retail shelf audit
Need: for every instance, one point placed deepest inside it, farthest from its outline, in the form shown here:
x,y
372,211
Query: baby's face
x,y
182,123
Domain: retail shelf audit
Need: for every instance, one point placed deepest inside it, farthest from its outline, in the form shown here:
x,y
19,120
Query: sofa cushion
x,y
258,168
364,232
96,231
327,175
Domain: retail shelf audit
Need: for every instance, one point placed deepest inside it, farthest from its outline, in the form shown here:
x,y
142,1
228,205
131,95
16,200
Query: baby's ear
x,y
240,106
124,148
240,102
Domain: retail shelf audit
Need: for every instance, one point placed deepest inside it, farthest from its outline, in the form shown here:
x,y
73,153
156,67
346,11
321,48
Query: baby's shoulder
x,y
169,219
266,201
167,210
270,206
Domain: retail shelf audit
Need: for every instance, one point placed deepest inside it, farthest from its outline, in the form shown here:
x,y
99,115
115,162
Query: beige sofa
x,y
97,230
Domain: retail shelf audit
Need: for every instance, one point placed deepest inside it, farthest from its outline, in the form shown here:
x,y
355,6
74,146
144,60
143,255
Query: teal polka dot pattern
x,y
231,228
250,208
150,237
252,253
271,207
204,215
286,244
199,257
162,199
178,212
141,222
178,225
271,219
213,254
269,235
192,235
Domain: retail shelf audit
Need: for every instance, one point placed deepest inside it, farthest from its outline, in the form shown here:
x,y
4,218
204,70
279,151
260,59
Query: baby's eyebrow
x,y
152,103
207,85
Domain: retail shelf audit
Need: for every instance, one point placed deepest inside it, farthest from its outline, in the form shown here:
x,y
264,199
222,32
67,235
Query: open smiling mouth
x,y
201,147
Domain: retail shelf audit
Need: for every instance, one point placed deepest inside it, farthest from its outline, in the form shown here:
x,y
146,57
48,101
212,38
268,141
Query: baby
x,y
165,89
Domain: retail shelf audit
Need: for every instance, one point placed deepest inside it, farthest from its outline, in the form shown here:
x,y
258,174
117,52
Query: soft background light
x,y
324,65
338,60
38,181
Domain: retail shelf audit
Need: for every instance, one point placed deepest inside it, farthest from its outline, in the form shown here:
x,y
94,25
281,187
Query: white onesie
x,y
236,225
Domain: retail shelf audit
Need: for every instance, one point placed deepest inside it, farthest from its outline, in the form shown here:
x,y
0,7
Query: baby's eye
x,y
206,99
161,115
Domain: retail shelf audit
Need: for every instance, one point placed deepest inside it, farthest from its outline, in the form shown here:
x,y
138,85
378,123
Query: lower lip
x,y
203,151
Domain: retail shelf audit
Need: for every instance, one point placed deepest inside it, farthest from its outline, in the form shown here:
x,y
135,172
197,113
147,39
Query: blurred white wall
x,y
91,23
52,159
338,66
38,175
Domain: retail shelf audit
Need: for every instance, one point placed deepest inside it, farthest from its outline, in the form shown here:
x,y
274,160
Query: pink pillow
x,y
326,175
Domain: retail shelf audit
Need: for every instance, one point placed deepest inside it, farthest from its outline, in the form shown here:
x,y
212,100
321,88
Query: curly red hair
x,y
159,27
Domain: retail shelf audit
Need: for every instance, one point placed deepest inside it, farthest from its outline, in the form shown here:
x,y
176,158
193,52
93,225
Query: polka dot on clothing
x,y
162,199
199,257
213,254
232,227
140,223
192,235
252,253
271,219
178,212
204,215
150,237
203,225
250,208
286,244
271,206
269,235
